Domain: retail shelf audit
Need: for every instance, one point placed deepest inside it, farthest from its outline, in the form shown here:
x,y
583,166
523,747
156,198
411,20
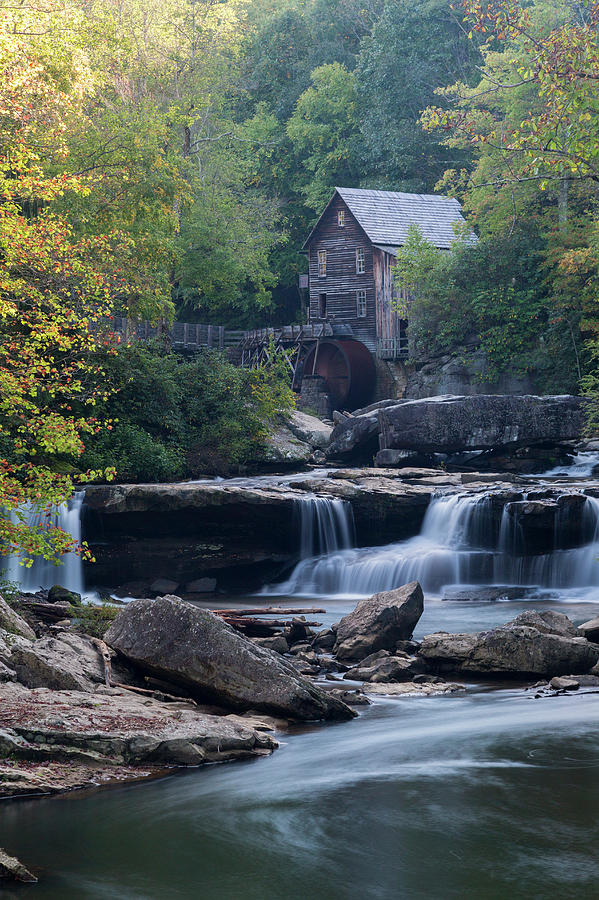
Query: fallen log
x,y
270,623
268,611
47,612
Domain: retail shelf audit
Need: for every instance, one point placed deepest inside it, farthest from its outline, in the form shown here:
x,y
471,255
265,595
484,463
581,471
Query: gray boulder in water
x,y
379,622
174,639
485,422
532,645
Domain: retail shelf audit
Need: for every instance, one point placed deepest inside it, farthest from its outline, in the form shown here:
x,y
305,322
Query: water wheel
x,y
348,370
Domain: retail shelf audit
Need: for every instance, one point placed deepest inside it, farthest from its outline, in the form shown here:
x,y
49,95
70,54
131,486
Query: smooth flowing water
x,y
480,796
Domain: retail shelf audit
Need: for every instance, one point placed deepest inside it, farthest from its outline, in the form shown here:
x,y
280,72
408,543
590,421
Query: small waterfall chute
x,y
43,573
583,465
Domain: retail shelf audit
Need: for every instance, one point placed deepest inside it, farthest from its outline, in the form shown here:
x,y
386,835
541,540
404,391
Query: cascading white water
x,y
326,528
44,574
326,525
582,466
459,544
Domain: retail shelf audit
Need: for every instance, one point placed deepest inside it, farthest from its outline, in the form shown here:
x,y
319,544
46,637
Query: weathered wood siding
x,y
388,322
341,282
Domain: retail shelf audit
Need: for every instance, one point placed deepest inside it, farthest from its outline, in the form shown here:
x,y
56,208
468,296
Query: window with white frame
x,y
360,261
322,263
361,304
340,218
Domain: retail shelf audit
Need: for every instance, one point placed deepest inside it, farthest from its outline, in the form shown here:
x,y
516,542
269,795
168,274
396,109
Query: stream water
x,y
481,797
478,796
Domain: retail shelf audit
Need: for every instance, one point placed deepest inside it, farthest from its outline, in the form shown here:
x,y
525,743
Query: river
x,y
484,795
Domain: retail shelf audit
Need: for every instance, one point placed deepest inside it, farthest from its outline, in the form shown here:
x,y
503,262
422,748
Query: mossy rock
x,y
59,594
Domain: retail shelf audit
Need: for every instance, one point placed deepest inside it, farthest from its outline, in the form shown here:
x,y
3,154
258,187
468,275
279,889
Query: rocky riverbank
x,y
176,685
173,685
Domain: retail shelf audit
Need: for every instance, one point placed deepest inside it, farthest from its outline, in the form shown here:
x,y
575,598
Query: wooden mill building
x,y
351,251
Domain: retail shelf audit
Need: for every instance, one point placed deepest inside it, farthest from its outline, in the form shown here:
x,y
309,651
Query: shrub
x,y
176,417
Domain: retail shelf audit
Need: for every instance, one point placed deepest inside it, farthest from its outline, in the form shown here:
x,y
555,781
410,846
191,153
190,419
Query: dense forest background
x,y
168,158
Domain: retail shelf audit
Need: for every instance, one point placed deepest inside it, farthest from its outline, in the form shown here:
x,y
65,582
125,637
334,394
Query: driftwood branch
x,y
157,695
267,611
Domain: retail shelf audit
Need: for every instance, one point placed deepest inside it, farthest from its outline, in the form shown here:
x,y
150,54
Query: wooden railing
x,y
287,334
181,335
392,348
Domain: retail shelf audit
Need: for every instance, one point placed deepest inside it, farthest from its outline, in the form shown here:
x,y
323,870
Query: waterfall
x,y
326,525
43,573
465,539
326,528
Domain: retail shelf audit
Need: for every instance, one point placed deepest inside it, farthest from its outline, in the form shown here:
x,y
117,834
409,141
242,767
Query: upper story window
x,y
360,261
322,263
361,304
340,218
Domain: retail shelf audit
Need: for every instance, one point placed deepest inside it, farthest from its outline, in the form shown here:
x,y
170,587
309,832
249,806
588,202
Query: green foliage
x,y
136,454
96,620
9,590
490,295
324,132
416,47
181,418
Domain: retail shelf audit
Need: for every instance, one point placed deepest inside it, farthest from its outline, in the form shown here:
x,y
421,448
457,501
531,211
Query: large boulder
x,y
590,629
174,639
309,429
355,438
532,645
486,422
13,623
283,448
379,622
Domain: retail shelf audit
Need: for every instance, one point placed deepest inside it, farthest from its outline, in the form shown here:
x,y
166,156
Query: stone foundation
x,y
314,397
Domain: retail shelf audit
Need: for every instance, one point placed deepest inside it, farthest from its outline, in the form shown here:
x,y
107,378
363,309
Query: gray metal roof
x,y
386,216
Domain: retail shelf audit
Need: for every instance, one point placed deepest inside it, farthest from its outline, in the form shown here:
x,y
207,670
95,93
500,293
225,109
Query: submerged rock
x,y
532,645
379,622
193,647
13,870
487,594
412,689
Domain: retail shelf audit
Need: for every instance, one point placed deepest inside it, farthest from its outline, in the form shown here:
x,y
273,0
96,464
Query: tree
x,y
550,57
415,48
493,295
324,133
54,290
